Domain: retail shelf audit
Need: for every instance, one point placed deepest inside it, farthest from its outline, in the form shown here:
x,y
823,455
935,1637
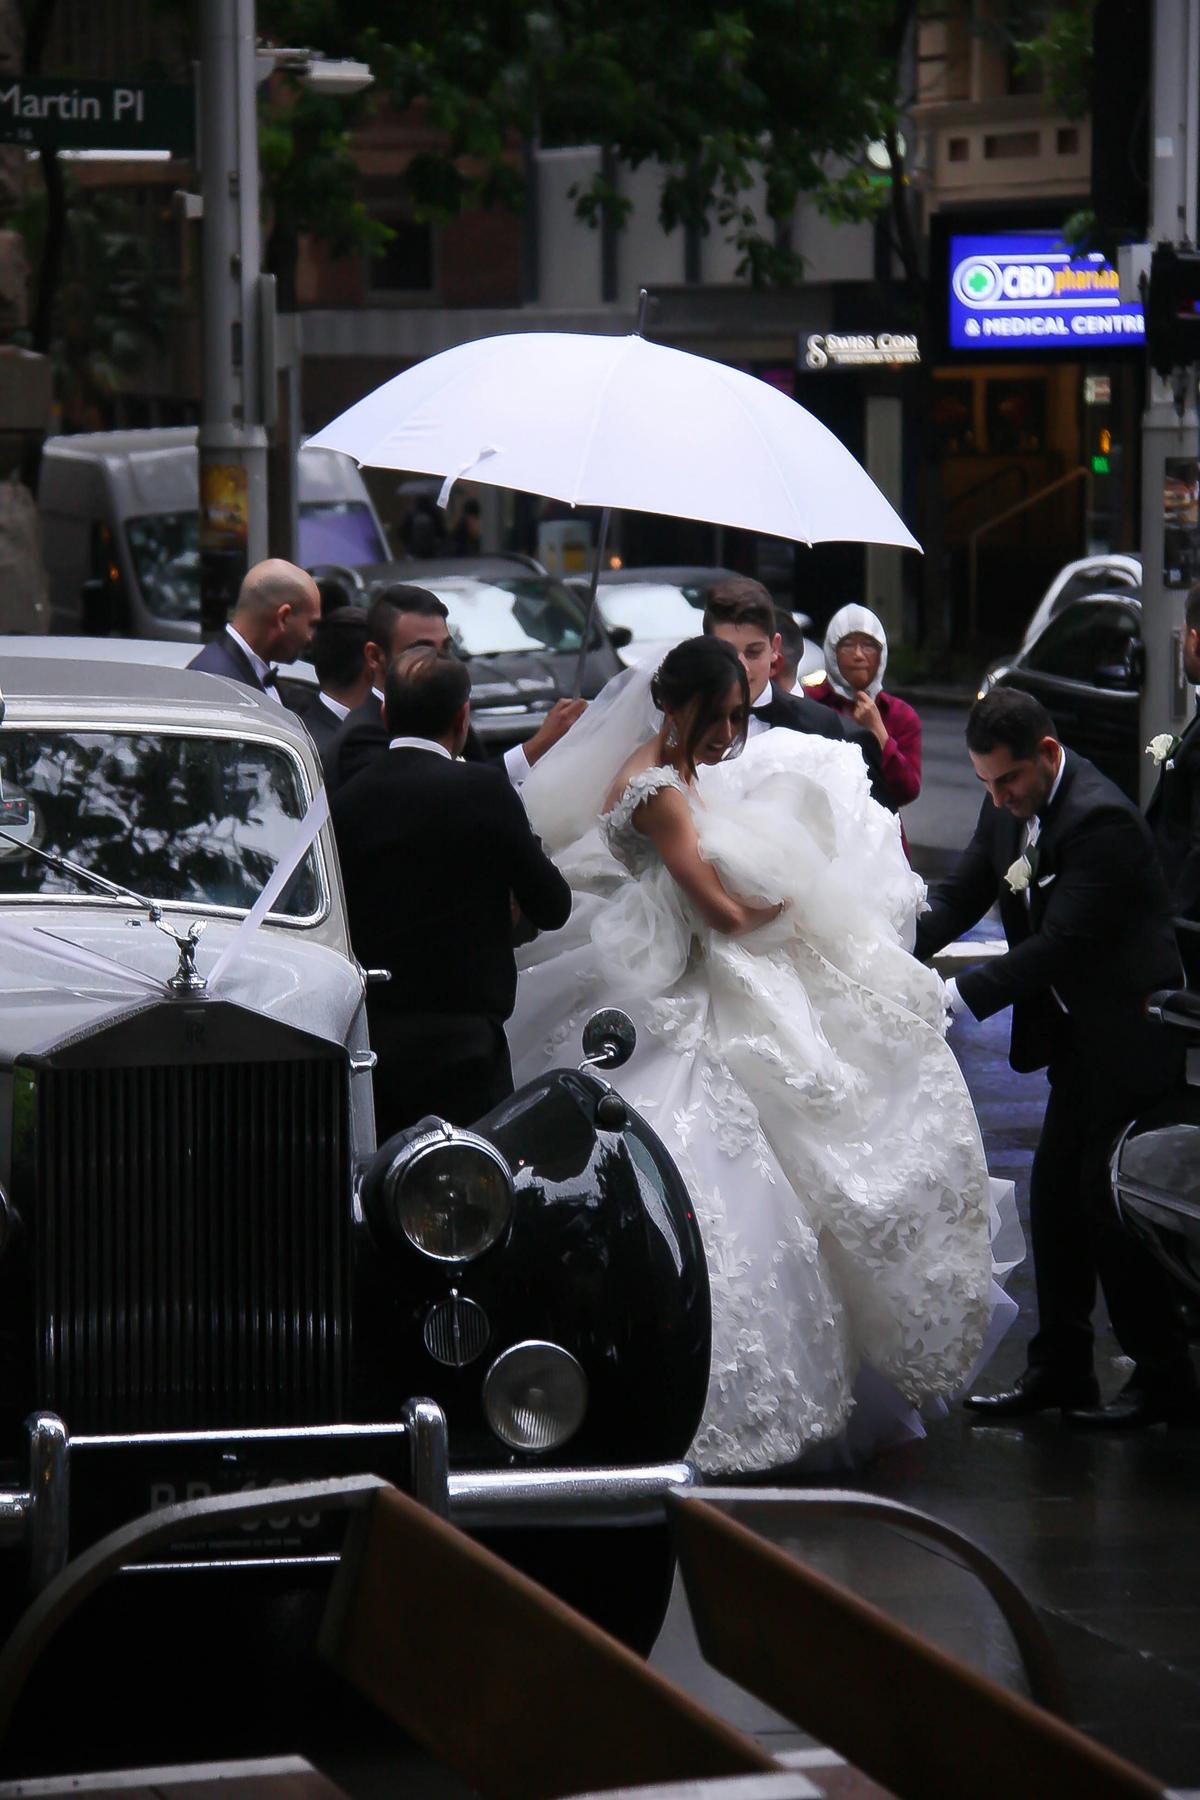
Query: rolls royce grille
x,y
192,1245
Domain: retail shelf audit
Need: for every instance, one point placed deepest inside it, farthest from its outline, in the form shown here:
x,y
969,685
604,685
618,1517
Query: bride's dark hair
x,y
701,669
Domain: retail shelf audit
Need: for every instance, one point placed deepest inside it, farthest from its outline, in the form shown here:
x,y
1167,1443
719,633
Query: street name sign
x,y
53,112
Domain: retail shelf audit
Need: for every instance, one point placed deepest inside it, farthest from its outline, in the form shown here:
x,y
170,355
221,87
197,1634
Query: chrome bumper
x,y
36,1518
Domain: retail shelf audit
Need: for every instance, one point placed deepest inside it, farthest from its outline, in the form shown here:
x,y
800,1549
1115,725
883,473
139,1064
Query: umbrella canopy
x,y
620,422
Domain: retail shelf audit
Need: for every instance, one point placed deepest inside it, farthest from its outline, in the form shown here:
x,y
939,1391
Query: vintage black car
x,y
210,1276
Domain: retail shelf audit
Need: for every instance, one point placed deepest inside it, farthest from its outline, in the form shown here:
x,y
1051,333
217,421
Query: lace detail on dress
x,y
617,828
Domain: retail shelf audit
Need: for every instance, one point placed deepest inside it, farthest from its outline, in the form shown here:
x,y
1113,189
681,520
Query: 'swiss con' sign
x,y
1028,291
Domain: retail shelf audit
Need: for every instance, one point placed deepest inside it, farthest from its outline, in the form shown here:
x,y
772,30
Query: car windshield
x,y
509,613
651,609
339,531
165,551
197,819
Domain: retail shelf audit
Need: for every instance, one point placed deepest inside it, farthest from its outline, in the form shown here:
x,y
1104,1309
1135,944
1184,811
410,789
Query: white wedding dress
x,y
799,1077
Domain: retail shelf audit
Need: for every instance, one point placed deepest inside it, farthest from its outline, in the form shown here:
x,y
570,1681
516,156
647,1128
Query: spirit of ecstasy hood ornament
x,y
186,979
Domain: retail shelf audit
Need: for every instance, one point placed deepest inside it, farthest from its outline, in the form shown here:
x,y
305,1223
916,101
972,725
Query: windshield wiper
x,y
66,867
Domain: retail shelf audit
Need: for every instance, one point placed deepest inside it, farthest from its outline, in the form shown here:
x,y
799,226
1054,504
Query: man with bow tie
x,y
742,612
1174,809
277,609
1085,912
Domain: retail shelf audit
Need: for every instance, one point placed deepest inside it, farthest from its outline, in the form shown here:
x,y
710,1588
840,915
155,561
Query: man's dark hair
x,y
701,669
1191,610
424,692
401,597
337,647
791,640
739,601
1010,719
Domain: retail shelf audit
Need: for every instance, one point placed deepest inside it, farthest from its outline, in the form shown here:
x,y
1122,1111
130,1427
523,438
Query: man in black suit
x,y
743,613
338,654
1085,912
435,856
400,618
1174,809
277,610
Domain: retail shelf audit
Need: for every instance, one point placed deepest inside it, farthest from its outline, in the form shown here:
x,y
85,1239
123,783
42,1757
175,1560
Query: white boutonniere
x,y
1019,874
1162,747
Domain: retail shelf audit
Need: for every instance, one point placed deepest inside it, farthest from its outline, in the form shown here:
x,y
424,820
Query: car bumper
x,y
77,1490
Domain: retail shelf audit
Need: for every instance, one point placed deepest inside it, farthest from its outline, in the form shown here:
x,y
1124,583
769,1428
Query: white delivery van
x,y
120,528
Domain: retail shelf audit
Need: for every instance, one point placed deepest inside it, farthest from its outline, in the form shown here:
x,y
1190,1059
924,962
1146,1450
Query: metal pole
x,y
1169,424
233,444
602,541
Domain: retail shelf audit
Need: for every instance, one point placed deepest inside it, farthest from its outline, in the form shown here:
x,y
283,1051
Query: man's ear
x,y
776,656
375,660
462,721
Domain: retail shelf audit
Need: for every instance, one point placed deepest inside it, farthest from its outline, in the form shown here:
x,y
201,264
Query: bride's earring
x,y
670,736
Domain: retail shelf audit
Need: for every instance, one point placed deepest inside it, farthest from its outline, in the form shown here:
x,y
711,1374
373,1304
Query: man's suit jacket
x,y
796,712
222,656
1095,932
1174,818
321,724
433,853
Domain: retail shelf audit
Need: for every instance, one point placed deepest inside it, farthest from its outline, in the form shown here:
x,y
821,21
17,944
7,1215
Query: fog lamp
x,y
450,1196
535,1396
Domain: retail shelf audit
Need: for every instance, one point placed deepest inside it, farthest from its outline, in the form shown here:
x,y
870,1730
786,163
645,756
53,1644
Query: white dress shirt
x,y
335,706
754,724
261,668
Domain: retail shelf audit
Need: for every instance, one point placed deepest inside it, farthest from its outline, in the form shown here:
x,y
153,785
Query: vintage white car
x,y
209,1275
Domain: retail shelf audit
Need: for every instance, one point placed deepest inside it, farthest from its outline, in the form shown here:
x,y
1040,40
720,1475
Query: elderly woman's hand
x,y
867,714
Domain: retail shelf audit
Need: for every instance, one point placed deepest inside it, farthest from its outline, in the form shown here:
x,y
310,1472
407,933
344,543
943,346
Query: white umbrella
x,y
620,422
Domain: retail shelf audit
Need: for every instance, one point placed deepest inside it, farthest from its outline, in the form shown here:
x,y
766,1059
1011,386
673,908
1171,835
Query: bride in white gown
x,y
753,914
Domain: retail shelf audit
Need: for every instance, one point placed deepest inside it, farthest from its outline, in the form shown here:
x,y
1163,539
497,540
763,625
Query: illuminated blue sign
x,y
1026,291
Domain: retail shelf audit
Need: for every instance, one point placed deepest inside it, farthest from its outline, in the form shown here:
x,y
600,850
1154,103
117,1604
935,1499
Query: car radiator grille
x,y
192,1245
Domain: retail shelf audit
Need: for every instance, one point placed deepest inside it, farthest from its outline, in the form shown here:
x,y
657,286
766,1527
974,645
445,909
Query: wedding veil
x,y
566,788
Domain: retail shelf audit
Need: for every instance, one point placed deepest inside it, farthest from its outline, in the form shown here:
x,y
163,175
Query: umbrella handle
x,y
601,546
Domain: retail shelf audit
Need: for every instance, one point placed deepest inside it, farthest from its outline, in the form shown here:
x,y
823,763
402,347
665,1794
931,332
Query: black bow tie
x,y
770,714
270,676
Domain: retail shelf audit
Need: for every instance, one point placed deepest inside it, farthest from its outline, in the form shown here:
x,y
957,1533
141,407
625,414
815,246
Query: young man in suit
x,y
435,855
273,622
400,618
1174,809
743,613
1085,912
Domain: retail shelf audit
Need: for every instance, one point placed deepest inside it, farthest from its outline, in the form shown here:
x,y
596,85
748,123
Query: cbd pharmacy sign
x,y
1027,291
58,114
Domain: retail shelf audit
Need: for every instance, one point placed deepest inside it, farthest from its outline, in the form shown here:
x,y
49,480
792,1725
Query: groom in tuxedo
x,y
277,609
1174,810
1086,916
742,612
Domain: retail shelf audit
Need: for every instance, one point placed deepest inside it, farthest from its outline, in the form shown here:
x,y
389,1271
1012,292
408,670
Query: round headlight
x,y
450,1197
535,1396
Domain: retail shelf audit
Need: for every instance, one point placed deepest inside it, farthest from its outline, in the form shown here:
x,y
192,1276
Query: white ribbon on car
x,y
297,849
443,498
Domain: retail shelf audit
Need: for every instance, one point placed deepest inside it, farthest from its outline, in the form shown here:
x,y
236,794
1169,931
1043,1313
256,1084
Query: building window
x,y
1001,145
1067,140
406,265
958,149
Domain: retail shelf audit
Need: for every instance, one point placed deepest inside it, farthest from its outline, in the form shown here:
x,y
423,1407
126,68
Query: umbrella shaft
x,y
597,560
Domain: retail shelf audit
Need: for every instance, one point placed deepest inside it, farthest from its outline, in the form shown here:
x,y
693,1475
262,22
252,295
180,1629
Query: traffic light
x,y
1173,308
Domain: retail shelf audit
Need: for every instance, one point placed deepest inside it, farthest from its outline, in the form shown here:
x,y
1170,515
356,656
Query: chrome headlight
x,y
450,1196
535,1396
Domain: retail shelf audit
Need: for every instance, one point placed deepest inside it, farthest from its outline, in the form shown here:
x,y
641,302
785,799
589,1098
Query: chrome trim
x,y
425,1426
130,729
328,1558
39,1517
612,1496
366,1059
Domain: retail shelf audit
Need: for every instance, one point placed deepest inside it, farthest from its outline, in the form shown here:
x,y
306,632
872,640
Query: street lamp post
x,y
233,441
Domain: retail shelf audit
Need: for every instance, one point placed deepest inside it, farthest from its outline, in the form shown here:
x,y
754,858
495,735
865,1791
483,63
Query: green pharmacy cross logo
x,y
978,281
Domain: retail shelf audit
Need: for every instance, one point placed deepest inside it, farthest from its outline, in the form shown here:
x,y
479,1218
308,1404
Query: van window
x,y
339,531
165,551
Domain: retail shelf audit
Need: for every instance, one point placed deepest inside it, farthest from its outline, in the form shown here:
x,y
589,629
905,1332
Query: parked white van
x,y
120,528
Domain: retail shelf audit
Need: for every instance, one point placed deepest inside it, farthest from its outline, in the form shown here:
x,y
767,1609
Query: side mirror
x,y
619,636
99,607
1119,677
609,1040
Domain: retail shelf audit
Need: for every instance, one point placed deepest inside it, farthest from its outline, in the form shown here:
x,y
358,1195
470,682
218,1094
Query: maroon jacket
x,y
900,757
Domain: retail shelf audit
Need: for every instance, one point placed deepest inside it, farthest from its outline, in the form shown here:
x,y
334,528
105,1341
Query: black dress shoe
x,y
1136,1408
1034,1392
